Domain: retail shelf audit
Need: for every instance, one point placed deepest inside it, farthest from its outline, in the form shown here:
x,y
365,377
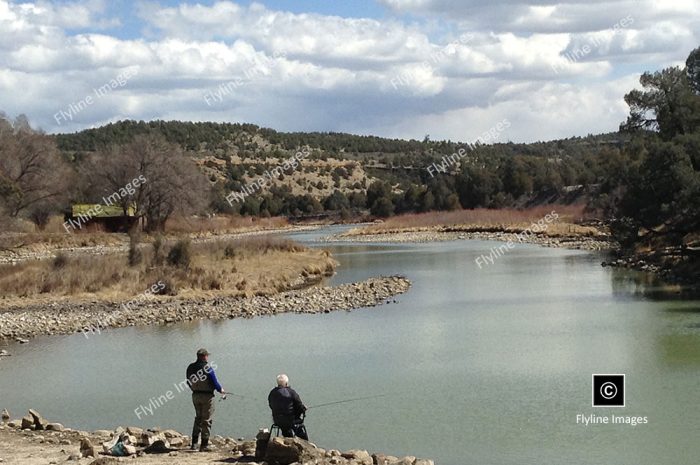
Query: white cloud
x,y
393,77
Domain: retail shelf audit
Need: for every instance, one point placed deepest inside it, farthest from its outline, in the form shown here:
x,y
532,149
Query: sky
x,y
450,69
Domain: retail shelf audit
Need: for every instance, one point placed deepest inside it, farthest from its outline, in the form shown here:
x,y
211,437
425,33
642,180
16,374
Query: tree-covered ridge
x,y
393,176
209,135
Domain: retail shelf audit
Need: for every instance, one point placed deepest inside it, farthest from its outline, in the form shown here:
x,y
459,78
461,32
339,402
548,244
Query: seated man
x,y
287,409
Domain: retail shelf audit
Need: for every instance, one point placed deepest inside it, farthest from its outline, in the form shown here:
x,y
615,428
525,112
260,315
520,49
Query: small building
x,y
99,217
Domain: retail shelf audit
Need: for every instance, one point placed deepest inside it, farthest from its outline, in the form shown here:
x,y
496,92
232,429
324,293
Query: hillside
x,y
340,168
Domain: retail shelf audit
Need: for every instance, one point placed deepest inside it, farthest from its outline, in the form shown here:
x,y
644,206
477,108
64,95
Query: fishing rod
x,y
346,401
223,397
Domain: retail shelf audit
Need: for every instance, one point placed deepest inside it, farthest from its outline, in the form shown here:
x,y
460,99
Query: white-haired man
x,y
287,409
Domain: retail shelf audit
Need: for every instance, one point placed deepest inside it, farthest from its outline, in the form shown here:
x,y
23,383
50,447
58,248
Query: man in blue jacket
x,y
287,409
202,381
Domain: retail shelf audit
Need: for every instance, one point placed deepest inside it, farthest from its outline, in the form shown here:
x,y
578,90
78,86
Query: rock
x,y
39,422
145,439
129,449
74,457
104,461
5,415
158,447
359,456
14,423
22,341
380,459
54,427
27,422
286,451
171,433
409,460
87,449
177,442
424,462
65,442
134,431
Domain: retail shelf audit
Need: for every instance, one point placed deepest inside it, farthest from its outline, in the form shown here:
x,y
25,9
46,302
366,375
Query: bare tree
x,y
152,175
32,172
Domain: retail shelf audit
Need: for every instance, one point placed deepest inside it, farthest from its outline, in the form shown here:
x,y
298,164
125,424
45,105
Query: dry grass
x,y
221,224
24,235
486,220
244,267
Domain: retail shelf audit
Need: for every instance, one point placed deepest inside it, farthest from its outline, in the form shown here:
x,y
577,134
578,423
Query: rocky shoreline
x,y
568,242
21,323
34,441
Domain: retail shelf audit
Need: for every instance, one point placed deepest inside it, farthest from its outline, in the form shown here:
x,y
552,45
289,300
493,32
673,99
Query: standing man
x,y
287,409
202,381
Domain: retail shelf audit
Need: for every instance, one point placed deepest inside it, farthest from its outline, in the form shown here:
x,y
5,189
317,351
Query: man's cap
x,y
202,352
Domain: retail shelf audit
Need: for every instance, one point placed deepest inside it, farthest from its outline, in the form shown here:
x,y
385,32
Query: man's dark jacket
x,y
286,405
201,378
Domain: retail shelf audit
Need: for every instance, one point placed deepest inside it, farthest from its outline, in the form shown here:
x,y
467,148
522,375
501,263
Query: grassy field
x,y
244,267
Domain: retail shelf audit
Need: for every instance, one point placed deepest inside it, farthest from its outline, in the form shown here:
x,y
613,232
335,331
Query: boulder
x,y
87,449
134,431
5,415
177,442
148,438
27,422
54,427
39,422
409,460
158,447
261,440
359,456
171,433
285,451
424,462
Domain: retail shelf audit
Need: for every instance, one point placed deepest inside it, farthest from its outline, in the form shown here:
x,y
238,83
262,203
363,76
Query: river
x,y
486,365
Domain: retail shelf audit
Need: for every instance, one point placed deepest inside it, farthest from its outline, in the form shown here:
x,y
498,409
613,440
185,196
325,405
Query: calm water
x,y
485,366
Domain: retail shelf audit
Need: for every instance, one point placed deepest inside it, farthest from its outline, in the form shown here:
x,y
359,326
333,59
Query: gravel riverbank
x,y
34,441
21,323
569,242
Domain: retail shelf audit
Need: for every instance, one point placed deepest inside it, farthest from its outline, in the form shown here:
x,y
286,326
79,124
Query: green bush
x,y
181,254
